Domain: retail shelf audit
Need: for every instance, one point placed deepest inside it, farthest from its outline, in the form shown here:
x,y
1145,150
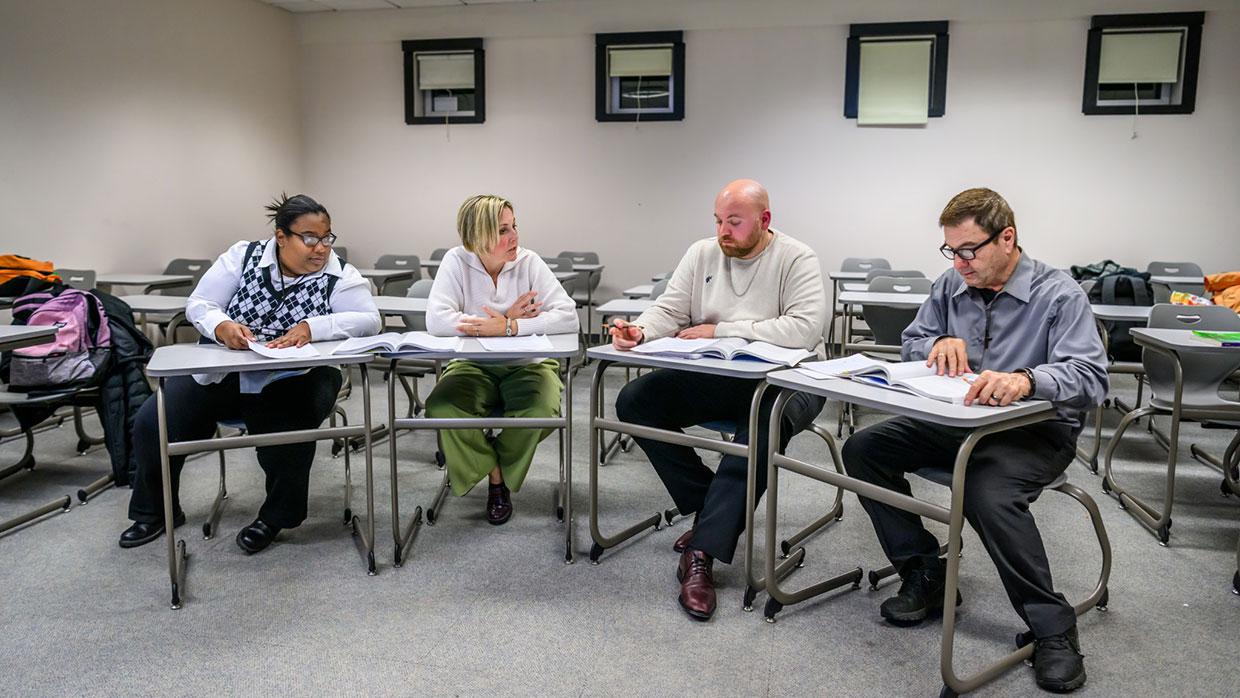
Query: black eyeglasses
x,y
310,239
968,253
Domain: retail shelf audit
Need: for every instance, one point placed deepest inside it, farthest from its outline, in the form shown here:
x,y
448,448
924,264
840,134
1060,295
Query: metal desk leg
x,y
774,573
1157,521
1098,597
367,533
835,288
567,455
402,537
602,542
1090,457
177,557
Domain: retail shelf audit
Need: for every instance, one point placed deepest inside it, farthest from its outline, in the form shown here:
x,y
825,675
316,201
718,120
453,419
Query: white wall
x,y
764,100
135,131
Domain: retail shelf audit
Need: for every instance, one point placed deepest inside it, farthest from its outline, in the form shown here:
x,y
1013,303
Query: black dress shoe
x,y
1058,665
256,537
143,532
499,504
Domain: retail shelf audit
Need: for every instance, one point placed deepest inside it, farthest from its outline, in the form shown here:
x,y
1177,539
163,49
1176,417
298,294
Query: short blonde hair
x,y
477,221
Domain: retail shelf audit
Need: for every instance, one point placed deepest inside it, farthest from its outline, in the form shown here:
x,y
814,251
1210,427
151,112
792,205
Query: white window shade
x,y
1135,57
447,71
894,83
634,62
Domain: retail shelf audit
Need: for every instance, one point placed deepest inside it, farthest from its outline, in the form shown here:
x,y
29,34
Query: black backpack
x,y
1122,289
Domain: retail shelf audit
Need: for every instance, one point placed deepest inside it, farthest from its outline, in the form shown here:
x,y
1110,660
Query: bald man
x,y
748,281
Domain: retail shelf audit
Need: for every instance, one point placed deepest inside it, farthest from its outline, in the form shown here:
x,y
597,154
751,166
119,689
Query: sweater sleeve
x,y
445,305
672,310
803,305
559,310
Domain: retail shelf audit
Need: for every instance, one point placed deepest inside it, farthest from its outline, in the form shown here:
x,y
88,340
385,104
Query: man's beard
x,y
738,252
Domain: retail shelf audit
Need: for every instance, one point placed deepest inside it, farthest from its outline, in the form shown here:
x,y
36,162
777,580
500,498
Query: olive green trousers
x,y
471,389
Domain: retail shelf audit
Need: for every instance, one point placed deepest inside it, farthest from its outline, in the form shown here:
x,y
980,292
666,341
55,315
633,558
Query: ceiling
x,y
339,5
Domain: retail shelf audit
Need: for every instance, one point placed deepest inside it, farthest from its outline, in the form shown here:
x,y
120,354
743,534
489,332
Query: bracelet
x,y
510,328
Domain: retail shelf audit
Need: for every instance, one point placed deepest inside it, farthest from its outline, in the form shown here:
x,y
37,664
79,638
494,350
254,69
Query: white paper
x,y
673,345
306,351
531,343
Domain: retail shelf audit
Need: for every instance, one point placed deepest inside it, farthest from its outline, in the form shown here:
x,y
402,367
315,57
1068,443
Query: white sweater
x,y
463,286
777,297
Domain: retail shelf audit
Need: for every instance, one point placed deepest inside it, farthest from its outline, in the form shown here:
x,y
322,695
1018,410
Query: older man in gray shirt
x,y
1027,330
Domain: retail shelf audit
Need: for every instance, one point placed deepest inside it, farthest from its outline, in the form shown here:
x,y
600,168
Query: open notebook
x,y
393,342
723,348
906,376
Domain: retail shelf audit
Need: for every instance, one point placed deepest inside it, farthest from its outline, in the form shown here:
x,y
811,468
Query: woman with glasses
x,y
284,291
491,287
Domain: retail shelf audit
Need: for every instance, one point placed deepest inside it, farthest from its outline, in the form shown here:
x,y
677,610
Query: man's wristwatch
x,y
1033,382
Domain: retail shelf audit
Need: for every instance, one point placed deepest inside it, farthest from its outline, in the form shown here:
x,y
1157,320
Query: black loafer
x,y
143,532
256,537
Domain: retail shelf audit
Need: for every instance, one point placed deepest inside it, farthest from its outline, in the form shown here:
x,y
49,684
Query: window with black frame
x,y
1142,63
895,73
640,77
444,81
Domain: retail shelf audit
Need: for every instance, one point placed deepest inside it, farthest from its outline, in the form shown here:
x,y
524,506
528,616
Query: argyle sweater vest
x,y
271,308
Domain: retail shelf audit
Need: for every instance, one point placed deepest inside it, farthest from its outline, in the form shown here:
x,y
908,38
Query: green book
x,y
1227,339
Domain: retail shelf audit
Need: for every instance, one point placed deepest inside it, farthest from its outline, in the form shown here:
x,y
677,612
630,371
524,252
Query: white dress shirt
x,y
353,308
463,286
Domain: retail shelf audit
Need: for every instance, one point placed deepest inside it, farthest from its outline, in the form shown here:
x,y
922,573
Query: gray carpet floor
x,y
481,610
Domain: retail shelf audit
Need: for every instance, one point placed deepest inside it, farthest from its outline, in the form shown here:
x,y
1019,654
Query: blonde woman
x,y
490,286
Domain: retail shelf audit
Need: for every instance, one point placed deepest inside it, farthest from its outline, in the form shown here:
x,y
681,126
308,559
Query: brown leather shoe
x,y
499,504
683,541
697,584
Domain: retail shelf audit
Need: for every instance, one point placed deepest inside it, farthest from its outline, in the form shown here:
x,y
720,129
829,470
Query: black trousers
x,y
297,402
672,400
1006,473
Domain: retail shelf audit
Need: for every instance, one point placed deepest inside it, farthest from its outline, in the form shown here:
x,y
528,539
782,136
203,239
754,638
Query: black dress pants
x,y
297,402
1006,473
669,399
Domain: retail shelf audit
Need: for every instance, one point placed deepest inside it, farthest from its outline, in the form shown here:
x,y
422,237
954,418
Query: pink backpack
x,y
76,357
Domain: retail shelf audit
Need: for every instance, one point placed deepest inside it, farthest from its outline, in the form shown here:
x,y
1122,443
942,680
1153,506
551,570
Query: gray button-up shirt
x,y
1041,320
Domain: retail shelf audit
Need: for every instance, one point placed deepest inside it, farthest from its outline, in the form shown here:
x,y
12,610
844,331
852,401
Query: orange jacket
x,y
1226,289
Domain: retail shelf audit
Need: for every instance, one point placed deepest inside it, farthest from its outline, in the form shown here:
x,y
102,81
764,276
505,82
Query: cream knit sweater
x,y
777,297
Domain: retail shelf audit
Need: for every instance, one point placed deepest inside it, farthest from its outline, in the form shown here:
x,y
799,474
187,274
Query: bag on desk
x,y
1097,270
76,358
1122,289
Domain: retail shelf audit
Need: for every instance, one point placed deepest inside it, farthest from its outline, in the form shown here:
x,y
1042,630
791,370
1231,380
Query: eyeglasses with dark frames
x,y
967,253
310,239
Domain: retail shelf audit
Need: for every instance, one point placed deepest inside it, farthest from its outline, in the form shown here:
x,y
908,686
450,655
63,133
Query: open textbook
x,y
393,342
723,348
907,376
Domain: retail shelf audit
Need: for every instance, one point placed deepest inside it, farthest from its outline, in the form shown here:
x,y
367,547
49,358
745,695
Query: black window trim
x,y
602,42
415,46
1192,21
938,69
